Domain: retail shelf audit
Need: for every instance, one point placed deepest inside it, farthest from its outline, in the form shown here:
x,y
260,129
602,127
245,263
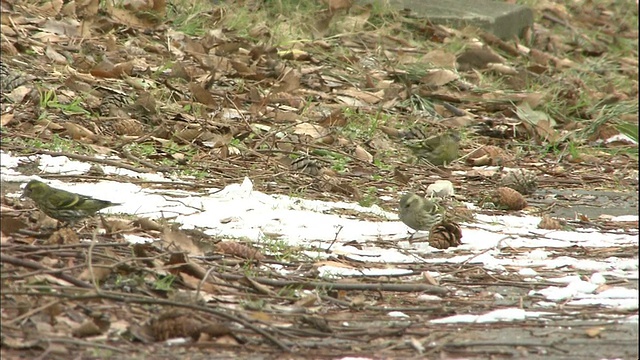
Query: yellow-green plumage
x,y
437,150
419,213
63,205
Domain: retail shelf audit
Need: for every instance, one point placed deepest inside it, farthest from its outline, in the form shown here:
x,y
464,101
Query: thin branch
x,y
34,265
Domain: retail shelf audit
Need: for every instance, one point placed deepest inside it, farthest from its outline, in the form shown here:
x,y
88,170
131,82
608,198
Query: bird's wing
x,y
64,199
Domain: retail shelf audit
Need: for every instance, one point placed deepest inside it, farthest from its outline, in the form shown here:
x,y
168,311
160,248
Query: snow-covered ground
x,y
238,211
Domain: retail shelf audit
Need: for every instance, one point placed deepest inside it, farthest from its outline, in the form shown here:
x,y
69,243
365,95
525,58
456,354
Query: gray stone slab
x,y
502,19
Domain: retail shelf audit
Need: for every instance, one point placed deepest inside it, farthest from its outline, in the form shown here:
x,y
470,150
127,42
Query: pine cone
x,y
174,324
237,249
445,235
10,78
414,133
307,165
550,223
115,104
131,127
509,198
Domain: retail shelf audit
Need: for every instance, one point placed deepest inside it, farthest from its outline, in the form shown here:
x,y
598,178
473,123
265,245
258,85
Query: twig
x,y
41,272
88,158
527,343
30,313
85,343
340,227
146,163
201,282
438,290
94,241
152,301
453,109
34,265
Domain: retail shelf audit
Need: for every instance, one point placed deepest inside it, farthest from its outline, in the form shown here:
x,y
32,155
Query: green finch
x,y
419,213
437,150
63,205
